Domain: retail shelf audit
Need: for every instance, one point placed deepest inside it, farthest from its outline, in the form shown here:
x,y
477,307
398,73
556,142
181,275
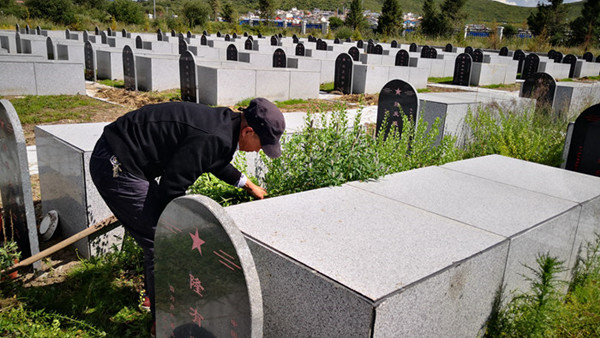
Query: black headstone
x,y
280,36
232,53
300,51
50,48
86,36
89,57
245,34
206,281
360,44
189,35
234,35
394,44
469,50
183,46
295,39
227,37
274,40
396,99
68,34
96,30
343,73
204,33
311,39
371,41
129,74
412,47
250,37
541,87
18,215
38,30
159,35
103,38
462,69
337,41
504,51
558,56
572,60
17,28
27,29
378,49
203,41
321,45
551,54
248,44
598,58
588,56
279,58
402,58
520,56
173,33
530,65
355,53
124,33
348,40
478,55
19,46
218,34
584,150
187,77
109,31
425,51
138,42
449,48
432,53
260,36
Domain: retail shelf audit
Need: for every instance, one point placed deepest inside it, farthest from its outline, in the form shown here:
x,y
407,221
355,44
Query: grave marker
x,y
227,37
159,35
449,48
432,53
124,33
588,56
274,40
245,34
50,48
558,56
248,44
206,281
469,50
183,46
27,29
300,51
232,53
355,53
86,36
321,45
17,28
412,47
103,38
519,55
551,54
572,60
394,44
504,51
138,42
96,30
425,51
378,49
337,41
18,43
530,65
477,55
402,58
18,216
89,55
38,30
348,40
173,33
68,34
295,39
584,150
203,41
370,47
397,98
129,74
109,31
462,69
204,33
260,36
360,44
234,36
188,77
279,58
189,35
541,87
280,36
598,59
343,73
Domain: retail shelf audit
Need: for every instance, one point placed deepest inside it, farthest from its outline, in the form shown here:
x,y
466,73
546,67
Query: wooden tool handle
x,y
61,245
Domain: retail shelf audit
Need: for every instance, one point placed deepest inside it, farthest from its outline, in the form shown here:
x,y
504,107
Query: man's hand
x,y
254,190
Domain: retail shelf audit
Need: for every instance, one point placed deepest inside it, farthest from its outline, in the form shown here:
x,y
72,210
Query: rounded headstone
x,y
572,60
530,65
300,51
397,98
402,58
279,58
504,51
232,53
449,48
584,150
355,53
462,70
343,73
541,87
588,56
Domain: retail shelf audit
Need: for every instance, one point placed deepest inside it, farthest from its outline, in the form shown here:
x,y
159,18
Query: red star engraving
x,y
197,242
398,91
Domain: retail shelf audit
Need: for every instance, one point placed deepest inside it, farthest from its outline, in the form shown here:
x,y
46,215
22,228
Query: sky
x,y
527,3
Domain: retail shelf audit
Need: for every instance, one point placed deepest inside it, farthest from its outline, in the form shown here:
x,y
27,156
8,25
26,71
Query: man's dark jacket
x,y
177,141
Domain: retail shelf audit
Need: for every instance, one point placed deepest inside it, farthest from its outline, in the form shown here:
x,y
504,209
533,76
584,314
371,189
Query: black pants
x,y
134,201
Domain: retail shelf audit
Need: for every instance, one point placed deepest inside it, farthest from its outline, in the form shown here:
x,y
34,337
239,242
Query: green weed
x,y
447,79
113,83
283,104
326,87
46,109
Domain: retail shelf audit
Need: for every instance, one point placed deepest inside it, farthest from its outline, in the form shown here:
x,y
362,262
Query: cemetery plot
x,y
206,281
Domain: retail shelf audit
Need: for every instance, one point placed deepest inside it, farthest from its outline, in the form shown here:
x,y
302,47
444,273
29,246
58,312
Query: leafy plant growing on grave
x,y
9,254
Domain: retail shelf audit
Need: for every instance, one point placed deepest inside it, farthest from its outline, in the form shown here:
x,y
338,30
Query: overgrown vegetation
x,y
34,109
544,311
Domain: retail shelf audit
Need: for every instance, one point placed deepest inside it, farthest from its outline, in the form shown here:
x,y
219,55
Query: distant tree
x,y
126,11
335,22
5,3
550,20
214,6
98,4
509,31
432,23
586,28
452,14
195,13
60,11
267,9
355,17
390,21
229,13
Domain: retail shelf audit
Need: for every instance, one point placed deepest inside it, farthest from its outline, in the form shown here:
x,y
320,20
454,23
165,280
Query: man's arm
x,y
255,190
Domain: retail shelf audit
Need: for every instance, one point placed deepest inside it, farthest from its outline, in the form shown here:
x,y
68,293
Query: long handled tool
x,y
61,245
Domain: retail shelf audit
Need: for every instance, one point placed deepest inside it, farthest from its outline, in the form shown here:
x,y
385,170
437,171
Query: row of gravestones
x,y
195,230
